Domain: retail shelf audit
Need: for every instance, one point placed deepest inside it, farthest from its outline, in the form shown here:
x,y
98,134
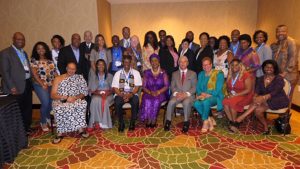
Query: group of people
x,y
86,76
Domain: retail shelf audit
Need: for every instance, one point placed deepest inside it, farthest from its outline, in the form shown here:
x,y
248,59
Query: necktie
x,y
182,78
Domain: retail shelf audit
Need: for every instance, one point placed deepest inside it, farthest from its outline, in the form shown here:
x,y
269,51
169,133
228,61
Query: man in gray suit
x,y
16,76
183,87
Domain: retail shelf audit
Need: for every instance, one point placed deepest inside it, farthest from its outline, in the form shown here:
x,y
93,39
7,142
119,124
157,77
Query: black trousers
x,y
134,102
25,102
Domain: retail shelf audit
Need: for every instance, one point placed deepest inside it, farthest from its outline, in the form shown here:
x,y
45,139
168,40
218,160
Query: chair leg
x,y
51,123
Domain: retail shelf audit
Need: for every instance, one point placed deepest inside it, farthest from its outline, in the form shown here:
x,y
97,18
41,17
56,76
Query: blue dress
x,y
203,106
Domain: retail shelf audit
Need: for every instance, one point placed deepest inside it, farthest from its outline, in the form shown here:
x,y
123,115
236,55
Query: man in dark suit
x,y
87,45
183,88
162,39
193,46
125,42
73,53
16,76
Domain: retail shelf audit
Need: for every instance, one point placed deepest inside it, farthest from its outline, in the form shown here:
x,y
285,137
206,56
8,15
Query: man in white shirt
x,y
126,84
183,88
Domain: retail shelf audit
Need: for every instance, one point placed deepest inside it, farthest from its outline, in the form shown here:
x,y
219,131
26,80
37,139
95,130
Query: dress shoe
x,y
185,127
121,127
167,125
131,126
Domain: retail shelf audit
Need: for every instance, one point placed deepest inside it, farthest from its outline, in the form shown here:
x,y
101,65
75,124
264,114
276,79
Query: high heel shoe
x,y
267,132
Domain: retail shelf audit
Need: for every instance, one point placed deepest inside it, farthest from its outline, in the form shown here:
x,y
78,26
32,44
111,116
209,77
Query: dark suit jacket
x,y
206,52
85,48
191,57
12,70
194,47
66,55
167,61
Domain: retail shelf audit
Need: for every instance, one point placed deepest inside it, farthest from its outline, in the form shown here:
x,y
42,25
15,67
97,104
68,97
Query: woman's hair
x,y
242,69
105,68
185,40
96,41
206,59
216,45
172,39
146,40
204,33
226,38
60,38
273,63
246,37
35,54
265,35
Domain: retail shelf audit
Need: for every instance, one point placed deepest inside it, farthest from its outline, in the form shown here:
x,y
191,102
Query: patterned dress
x,y
150,105
70,116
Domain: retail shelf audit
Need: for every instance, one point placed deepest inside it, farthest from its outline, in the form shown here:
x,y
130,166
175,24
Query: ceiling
x,y
156,1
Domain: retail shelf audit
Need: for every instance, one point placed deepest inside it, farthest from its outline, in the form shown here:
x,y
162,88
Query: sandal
x,y
84,134
57,139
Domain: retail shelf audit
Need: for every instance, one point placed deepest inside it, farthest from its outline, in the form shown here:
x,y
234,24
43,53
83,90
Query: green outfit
x,y
212,85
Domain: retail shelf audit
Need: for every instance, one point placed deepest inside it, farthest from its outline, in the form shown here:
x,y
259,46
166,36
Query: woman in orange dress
x,y
240,87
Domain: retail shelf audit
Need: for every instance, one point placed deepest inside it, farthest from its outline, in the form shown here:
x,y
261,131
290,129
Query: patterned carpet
x,y
155,148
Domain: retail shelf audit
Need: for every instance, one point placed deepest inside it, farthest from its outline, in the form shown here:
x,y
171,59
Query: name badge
x,y
139,64
118,63
233,92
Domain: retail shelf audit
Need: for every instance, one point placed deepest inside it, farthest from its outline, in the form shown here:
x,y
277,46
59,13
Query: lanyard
x,y
136,53
234,81
126,77
101,82
259,48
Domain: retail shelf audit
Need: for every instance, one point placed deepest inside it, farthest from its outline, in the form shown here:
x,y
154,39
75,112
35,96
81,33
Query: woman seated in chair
x,y
100,89
155,85
240,88
269,94
209,93
69,108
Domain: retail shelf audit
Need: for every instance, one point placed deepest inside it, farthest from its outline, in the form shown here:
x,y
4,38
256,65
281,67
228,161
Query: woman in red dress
x,y
240,87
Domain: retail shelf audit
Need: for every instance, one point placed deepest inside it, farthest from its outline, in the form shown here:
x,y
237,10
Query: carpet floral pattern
x,y
155,148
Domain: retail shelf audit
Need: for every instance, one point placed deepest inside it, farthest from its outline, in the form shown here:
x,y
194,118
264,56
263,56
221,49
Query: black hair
x,y
216,45
273,63
96,40
36,56
226,38
60,38
172,39
258,32
204,33
105,68
246,37
146,40
162,31
126,57
185,40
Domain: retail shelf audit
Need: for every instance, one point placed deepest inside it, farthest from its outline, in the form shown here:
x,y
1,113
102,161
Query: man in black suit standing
x,y
73,53
16,77
87,45
193,46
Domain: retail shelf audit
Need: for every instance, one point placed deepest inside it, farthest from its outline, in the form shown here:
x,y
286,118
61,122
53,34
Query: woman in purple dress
x,y
269,94
155,85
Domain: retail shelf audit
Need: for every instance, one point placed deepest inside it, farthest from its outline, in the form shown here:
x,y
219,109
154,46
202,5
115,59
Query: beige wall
x,y
39,20
215,17
104,20
288,13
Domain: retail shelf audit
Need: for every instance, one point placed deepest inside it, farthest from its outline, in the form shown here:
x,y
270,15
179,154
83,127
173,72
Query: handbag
x,y
282,124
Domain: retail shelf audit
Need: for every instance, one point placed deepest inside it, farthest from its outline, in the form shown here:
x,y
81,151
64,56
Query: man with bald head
x,y
285,53
16,76
183,88
125,41
88,44
234,45
73,53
